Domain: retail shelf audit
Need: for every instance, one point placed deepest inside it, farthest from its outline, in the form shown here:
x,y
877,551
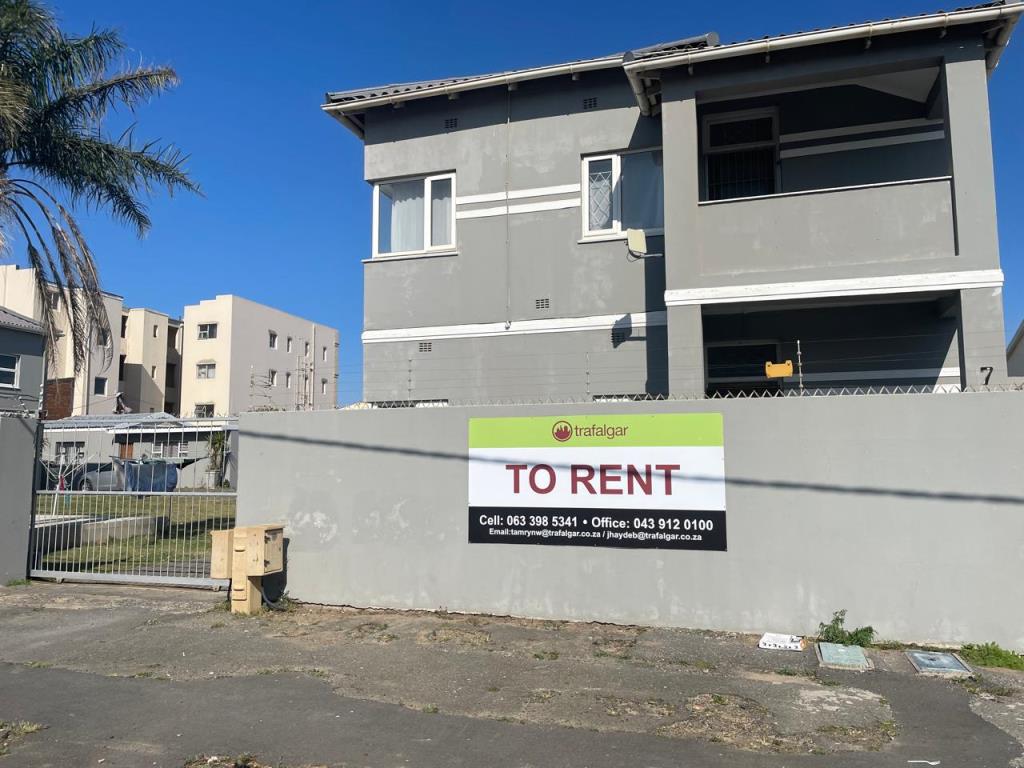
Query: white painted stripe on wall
x,y
894,373
501,210
854,286
850,130
516,328
847,146
518,194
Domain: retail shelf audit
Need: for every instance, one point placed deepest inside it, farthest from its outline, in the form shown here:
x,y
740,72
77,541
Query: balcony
x,y
886,223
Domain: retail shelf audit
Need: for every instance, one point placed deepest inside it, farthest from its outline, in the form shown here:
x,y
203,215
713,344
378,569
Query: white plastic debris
x,y
774,641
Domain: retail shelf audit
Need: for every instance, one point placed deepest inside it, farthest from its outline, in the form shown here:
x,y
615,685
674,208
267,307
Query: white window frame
x,y
616,232
210,366
17,373
428,182
735,117
199,331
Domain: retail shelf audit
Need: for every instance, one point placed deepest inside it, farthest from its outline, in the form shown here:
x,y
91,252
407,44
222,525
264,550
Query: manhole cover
x,y
838,656
934,663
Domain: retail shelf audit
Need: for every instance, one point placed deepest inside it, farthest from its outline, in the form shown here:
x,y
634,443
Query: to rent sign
x,y
648,481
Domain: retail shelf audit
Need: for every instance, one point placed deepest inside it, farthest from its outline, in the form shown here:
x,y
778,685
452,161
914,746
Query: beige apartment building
x,y
94,388
239,355
150,362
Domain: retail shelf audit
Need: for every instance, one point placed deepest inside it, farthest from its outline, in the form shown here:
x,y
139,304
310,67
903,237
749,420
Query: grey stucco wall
x,y
864,503
629,359
17,462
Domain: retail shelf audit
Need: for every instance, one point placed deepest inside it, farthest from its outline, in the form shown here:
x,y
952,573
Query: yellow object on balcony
x,y
778,370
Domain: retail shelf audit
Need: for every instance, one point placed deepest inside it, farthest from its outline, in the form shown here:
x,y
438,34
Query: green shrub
x,y
992,655
835,632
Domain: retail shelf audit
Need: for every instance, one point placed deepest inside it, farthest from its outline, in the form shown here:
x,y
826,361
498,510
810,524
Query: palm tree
x,y
55,90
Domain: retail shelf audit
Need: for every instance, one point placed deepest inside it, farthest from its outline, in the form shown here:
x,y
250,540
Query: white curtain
x,y
400,225
643,191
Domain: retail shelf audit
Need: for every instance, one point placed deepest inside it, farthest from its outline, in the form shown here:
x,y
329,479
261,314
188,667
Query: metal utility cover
x,y
934,663
836,656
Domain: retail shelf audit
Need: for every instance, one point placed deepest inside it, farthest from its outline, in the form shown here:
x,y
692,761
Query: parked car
x,y
131,475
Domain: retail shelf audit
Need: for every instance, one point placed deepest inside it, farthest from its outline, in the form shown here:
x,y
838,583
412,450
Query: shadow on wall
x,y
730,480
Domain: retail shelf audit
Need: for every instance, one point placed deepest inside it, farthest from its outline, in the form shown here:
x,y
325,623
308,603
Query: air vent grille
x,y
542,303
451,123
590,102
619,335
426,346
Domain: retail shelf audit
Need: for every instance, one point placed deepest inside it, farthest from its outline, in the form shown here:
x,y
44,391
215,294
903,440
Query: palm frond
x,y
86,103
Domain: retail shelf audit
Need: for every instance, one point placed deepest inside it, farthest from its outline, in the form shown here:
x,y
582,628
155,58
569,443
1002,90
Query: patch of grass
x,y
38,664
787,672
835,632
323,674
717,698
546,655
217,625
18,583
431,709
10,732
704,666
493,689
992,655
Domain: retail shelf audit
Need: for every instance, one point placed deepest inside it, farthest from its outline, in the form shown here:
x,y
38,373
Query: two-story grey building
x,y
828,190
22,347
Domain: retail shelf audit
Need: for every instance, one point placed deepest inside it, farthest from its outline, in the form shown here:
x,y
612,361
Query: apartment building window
x,y
206,370
124,324
55,300
156,331
273,377
740,154
102,337
170,447
67,452
287,381
307,349
152,372
273,340
99,386
120,367
414,215
323,386
623,191
288,344
204,410
324,355
9,367
207,331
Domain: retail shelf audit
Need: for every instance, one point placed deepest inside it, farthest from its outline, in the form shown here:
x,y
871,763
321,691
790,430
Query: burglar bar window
x,y
207,331
206,370
740,154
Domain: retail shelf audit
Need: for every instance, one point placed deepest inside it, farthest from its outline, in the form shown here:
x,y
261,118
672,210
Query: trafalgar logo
x,y
561,431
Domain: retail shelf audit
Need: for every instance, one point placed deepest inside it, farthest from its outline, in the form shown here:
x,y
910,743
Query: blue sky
x,y
286,216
